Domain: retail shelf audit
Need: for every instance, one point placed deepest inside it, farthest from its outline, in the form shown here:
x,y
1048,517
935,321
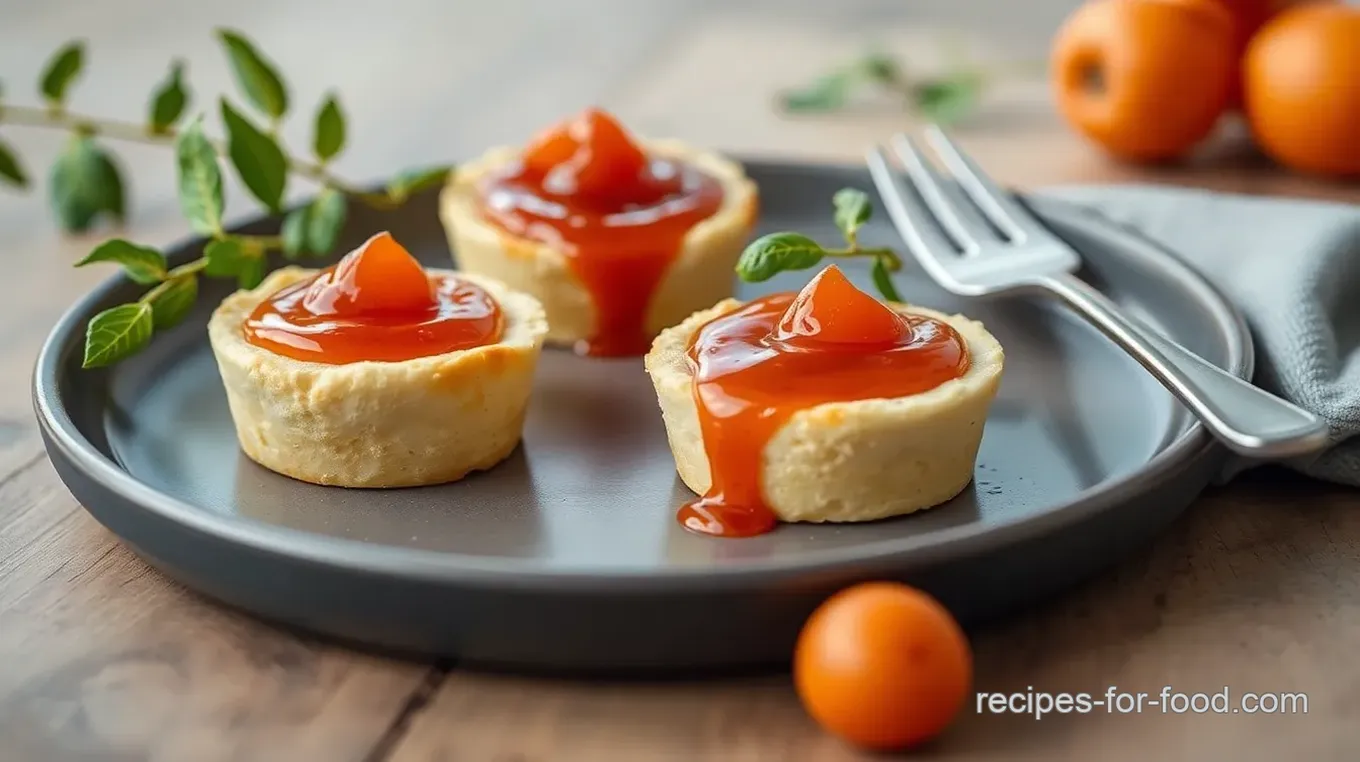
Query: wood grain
x,y
1254,590
103,659
107,660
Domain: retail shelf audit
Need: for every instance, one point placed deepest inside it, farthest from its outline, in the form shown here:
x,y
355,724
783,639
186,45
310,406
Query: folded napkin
x,y
1293,268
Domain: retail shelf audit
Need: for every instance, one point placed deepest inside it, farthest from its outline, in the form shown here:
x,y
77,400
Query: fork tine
x,y
917,228
923,177
991,199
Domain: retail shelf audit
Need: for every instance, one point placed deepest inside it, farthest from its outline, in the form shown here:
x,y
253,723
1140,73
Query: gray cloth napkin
x,y
1293,268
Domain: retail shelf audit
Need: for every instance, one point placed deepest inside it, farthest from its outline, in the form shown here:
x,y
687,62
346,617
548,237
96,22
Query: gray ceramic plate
x,y
567,556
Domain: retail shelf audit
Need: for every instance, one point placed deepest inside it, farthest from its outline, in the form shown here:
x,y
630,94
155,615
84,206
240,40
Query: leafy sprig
x,y
774,253
86,184
943,98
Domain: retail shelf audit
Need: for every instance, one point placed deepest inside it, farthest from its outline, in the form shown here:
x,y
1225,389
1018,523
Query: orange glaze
x,y
756,366
377,303
619,216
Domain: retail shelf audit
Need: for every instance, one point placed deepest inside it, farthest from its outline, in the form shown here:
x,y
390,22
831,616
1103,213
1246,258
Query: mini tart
x,y
845,461
699,275
427,420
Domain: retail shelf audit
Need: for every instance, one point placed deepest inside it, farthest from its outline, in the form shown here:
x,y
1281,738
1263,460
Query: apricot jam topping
x,y
377,303
758,365
618,215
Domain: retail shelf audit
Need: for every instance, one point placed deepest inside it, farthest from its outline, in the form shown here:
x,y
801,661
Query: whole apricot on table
x,y
1249,16
883,666
1146,79
1302,75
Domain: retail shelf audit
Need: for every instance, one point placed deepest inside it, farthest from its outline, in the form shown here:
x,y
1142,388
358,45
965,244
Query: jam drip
x,y
618,215
756,366
379,304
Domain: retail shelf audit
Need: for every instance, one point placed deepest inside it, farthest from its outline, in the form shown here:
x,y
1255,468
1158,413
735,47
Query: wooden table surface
x,y
101,658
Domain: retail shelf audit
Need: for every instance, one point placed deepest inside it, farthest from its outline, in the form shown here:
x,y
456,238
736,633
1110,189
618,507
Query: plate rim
x,y
65,440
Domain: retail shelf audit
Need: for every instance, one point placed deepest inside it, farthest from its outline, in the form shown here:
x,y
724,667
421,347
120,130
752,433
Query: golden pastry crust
x,y
845,461
378,424
701,273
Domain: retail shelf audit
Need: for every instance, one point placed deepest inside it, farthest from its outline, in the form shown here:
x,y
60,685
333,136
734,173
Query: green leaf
x,y
412,181
772,254
84,184
170,306
252,271
330,130
259,161
226,257
826,94
325,221
880,67
257,77
294,232
142,264
234,257
947,100
169,100
10,168
200,180
62,69
116,333
883,280
853,209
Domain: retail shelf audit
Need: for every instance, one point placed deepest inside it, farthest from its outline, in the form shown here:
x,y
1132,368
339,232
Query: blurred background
x,y
439,80
430,80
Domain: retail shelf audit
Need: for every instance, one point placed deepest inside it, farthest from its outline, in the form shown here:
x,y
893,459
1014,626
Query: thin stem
x,y
137,133
179,272
894,262
318,174
37,117
189,268
264,241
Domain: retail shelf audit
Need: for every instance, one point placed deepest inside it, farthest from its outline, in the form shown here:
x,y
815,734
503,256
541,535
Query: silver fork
x,y
958,247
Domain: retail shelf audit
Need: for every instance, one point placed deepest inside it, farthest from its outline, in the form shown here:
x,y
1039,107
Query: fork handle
x,y
1249,420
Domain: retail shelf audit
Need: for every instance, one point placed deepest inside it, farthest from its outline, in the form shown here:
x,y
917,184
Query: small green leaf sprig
x,y
943,99
86,184
774,253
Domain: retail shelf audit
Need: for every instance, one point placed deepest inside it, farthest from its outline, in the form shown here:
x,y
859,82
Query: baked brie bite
x,y
377,372
822,406
617,237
